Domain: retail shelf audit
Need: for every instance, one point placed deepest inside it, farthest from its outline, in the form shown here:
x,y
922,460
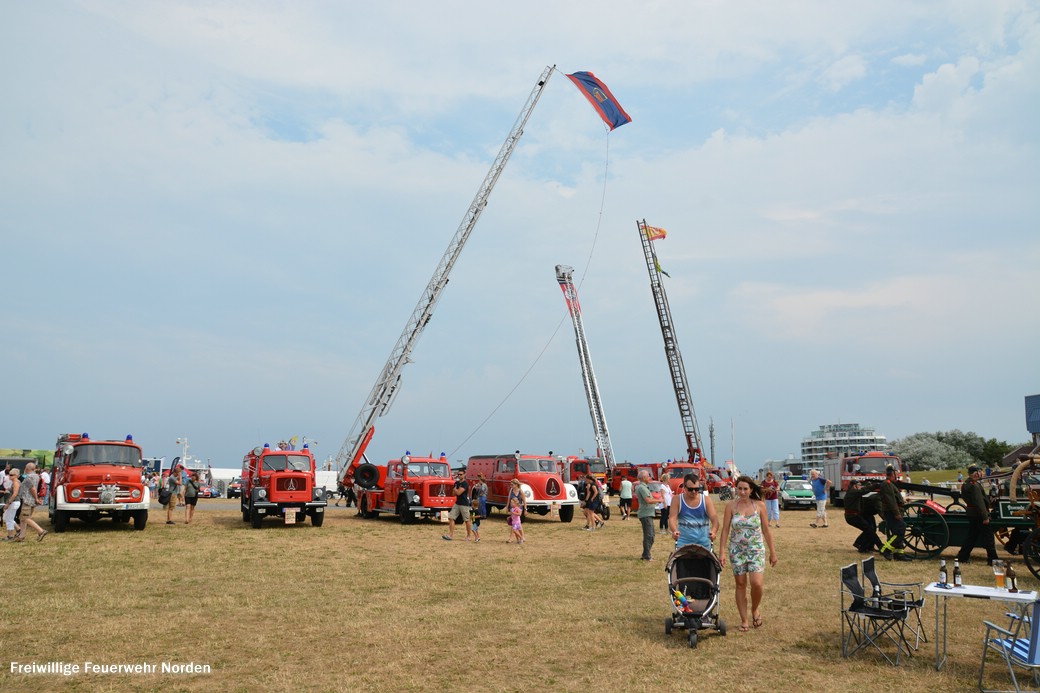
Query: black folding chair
x,y
1018,645
865,624
898,595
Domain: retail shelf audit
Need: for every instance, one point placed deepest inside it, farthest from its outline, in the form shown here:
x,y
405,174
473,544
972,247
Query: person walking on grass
x,y
625,494
191,496
666,503
645,513
477,515
515,524
174,486
980,531
12,487
460,509
745,538
691,517
771,495
820,487
30,498
593,497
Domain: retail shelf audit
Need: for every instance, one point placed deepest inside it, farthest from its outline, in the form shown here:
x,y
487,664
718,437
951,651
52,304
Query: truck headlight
x,y
136,493
261,493
76,493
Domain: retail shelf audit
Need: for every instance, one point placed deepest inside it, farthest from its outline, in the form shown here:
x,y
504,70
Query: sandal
x,y
744,628
756,621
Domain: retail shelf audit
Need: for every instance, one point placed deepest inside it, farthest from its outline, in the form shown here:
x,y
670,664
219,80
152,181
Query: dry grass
x,y
374,605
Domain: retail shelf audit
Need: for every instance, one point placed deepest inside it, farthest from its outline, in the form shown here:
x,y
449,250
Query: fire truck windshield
x,y
124,455
875,465
597,466
283,463
436,469
538,466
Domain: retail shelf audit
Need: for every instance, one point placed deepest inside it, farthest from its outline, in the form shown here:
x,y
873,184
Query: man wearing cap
x,y
892,512
980,531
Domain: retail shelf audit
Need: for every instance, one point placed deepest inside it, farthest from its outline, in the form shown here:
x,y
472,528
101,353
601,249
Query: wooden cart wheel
x,y
1003,535
1031,552
1017,474
927,534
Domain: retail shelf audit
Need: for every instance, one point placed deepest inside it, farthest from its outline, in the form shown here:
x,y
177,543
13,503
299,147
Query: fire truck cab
x,y
540,482
280,483
95,478
865,467
409,487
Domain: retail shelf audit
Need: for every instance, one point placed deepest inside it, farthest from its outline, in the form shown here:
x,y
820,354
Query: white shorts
x,y
9,514
821,507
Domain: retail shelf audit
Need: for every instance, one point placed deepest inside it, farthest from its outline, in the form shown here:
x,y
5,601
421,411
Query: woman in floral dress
x,y
745,536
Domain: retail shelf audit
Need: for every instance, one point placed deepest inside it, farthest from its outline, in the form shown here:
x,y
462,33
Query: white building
x,y
838,440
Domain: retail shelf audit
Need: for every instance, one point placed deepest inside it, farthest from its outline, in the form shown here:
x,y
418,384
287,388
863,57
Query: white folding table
x,y
1020,599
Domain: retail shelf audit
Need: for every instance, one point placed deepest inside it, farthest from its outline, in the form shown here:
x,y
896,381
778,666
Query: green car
x,y
796,493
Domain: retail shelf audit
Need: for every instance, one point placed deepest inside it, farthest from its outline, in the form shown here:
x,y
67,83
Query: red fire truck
x,y
410,487
95,478
867,467
539,478
280,483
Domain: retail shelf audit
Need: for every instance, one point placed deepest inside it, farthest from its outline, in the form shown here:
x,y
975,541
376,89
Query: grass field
x,y
377,606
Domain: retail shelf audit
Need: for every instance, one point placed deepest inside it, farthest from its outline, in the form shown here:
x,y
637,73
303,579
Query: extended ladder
x,y
671,347
389,380
564,275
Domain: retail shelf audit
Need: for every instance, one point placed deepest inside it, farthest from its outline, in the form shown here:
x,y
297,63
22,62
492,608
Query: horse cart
x,y
933,524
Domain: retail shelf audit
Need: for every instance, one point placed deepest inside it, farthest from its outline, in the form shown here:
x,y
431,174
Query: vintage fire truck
x,y
867,467
540,482
280,483
410,487
95,478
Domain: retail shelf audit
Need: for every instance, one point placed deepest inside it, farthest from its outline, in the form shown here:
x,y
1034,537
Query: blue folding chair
x,y
1018,646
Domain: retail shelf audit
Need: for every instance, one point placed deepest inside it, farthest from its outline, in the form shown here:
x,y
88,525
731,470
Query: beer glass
x,y
998,572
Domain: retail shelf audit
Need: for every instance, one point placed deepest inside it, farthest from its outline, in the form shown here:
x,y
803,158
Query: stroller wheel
x,y
668,626
722,627
693,638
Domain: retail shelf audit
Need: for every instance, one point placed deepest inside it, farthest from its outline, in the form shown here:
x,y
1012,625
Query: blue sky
x,y
219,216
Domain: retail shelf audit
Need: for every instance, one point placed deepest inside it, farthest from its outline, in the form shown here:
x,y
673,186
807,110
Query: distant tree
x,y
950,450
924,452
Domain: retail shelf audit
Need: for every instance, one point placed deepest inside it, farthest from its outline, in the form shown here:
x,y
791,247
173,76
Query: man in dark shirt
x,y
857,512
892,512
461,507
980,531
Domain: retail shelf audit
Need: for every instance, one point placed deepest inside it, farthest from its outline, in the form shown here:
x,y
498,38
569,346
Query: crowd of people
x,y
22,492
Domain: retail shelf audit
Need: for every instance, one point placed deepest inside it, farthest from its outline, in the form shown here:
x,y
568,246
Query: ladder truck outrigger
x,y
351,460
604,450
676,368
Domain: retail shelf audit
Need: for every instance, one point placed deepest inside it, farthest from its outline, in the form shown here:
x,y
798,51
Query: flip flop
x,y
744,628
756,621
42,535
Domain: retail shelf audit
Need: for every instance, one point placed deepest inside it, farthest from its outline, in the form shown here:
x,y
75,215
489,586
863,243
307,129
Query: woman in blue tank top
x,y
692,518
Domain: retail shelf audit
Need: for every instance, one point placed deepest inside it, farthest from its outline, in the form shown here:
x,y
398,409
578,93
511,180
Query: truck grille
x,y
441,490
92,494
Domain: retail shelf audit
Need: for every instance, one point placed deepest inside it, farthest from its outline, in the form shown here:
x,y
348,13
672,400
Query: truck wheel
x,y
60,521
406,515
317,518
140,519
566,513
257,519
365,512
367,475
245,515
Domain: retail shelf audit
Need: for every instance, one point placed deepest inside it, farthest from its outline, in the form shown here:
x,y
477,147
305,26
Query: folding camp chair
x,y
1018,646
865,624
899,595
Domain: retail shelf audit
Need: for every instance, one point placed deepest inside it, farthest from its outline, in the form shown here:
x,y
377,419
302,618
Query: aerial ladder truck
x,y
671,349
352,453
564,275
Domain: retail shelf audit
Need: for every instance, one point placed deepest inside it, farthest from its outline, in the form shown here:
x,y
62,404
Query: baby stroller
x,y
693,591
